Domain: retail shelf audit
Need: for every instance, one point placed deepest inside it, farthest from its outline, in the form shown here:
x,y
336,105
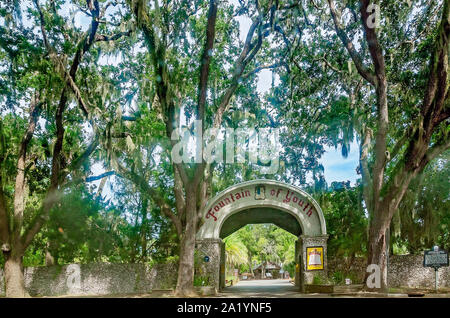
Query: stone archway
x,y
263,201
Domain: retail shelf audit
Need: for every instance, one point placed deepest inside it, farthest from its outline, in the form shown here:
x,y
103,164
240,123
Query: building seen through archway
x,y
259,251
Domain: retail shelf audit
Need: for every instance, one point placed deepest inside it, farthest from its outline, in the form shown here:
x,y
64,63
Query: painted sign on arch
x,y
260,193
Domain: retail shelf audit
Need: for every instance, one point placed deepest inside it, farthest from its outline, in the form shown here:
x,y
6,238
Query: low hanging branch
x,y
58,177
362,69
142,183
101,176
19,200
109,38
260,68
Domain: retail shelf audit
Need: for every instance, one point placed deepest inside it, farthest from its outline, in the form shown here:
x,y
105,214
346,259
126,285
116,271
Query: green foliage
x,y
346,222
321,280
78,229
423,218
236,252
255,244
338,277
318,280
230,278
201,280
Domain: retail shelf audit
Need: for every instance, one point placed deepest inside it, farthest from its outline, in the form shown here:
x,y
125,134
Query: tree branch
x,y
436,150
165,208
327,63
53,196
401,142
363,71
143,185
206,59
382,105
100,176
260,68
19,188
145,23
436,94
179,195
365,171
109,38
4,213
247,54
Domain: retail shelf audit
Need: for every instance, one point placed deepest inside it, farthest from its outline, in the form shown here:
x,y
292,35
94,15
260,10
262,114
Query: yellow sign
x,y
314,258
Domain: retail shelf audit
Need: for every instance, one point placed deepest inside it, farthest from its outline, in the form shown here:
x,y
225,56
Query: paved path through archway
x,y
261,288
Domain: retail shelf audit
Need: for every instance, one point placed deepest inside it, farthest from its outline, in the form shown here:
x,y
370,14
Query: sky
x,y
337,168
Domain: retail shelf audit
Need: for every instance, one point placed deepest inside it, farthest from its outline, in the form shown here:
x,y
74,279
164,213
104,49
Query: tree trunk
x,y
185,282
377,256
144,229
14,279
263,270
250,263
49,259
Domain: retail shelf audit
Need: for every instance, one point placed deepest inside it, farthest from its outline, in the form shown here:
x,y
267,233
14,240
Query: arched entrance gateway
x,y
263,201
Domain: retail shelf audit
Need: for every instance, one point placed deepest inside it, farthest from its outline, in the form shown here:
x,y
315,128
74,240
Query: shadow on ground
x,y
261,288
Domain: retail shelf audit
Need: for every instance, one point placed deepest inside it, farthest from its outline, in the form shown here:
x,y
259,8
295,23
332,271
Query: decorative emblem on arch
x,y
260,192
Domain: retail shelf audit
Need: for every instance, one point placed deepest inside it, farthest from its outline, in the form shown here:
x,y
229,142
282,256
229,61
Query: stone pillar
x,y
307,276
210,253
222,266
297,257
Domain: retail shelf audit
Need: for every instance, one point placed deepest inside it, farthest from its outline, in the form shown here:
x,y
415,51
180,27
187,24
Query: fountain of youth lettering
x,y
263,201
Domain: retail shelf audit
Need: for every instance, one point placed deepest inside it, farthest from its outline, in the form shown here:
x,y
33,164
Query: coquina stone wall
x,y
104,279
408,271
2,283
97,279
403,271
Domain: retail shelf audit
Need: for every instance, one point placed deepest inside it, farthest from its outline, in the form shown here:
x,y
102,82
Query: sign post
x,y
435,258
